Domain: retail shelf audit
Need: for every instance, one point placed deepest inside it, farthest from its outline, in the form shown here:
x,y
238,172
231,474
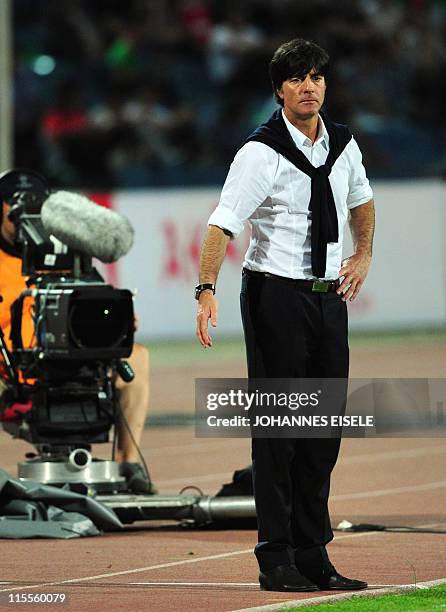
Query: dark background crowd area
x,y
149,93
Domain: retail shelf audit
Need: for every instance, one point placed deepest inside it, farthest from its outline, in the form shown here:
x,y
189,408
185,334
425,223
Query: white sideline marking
x,y
340,497
360,458
231,584
424,451
191,480
192,447
164,565
313,601
177,563
132,571
380,492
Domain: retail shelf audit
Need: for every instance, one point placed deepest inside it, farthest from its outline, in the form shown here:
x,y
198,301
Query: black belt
x,y
319,286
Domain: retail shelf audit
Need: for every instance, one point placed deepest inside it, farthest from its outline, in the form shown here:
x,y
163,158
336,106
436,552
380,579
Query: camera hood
x,y
21,180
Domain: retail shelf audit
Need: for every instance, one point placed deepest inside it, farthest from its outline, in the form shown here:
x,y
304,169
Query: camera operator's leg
x,y
134,401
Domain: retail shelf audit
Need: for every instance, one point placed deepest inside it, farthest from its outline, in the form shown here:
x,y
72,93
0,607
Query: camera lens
x,y
97,323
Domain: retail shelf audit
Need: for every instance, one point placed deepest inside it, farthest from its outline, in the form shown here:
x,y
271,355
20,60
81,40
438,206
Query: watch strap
x,y
201,287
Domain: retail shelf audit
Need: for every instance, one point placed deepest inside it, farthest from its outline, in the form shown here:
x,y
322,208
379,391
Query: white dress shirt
x,y
265,188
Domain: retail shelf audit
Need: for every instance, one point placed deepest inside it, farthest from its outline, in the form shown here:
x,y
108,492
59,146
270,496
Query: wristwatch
x,y
202,287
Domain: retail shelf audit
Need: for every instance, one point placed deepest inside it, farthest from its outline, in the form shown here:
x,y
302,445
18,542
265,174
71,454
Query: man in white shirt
x,y
297,179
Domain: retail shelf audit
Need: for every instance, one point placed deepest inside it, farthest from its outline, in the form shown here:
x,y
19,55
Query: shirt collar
x,y
301,140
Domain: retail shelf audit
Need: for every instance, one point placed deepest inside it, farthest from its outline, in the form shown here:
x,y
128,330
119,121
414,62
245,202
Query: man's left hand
x,y
354,270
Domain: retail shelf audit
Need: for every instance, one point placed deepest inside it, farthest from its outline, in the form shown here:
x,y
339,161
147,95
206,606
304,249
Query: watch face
x,y
198,291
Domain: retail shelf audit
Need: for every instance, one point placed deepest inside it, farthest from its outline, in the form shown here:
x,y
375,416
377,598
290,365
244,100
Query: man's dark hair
x,y
296,58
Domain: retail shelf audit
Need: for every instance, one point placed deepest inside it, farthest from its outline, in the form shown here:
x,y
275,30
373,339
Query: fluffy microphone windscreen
x,y
87,227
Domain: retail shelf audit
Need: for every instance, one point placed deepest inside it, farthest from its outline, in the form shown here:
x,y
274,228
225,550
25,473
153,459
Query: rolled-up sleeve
x,y
248,184
360,191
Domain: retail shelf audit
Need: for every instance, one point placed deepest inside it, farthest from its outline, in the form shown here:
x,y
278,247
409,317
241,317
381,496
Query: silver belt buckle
x,y
320,286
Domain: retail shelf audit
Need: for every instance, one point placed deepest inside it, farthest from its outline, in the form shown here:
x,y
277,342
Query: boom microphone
x,y
87,227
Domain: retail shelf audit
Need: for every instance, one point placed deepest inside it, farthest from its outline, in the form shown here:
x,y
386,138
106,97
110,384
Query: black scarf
x,y
324,227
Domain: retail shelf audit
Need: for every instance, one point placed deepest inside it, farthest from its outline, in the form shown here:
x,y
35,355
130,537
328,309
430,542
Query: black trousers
x,y
292,332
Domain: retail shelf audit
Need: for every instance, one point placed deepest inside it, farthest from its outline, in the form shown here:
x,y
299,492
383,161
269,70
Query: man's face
x,y
303,96
8,229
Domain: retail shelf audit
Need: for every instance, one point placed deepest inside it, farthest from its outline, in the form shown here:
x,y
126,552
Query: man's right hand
x,y
207,309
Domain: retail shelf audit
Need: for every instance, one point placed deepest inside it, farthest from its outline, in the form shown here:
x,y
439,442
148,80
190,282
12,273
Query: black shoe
x,y
315,565
332,581
285,578
136,479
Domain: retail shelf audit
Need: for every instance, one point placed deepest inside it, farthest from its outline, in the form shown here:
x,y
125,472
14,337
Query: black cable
x,y
114,443
193,488
363,527
115,393
84,413
138,450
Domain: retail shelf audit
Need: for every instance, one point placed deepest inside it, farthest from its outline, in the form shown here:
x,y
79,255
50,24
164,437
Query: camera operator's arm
x,y
12,282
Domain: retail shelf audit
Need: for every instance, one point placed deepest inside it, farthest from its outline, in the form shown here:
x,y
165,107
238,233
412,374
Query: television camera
x,y
60,389
60,393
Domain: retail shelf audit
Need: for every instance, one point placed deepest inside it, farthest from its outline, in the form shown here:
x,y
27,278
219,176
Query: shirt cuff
x,y
226,219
